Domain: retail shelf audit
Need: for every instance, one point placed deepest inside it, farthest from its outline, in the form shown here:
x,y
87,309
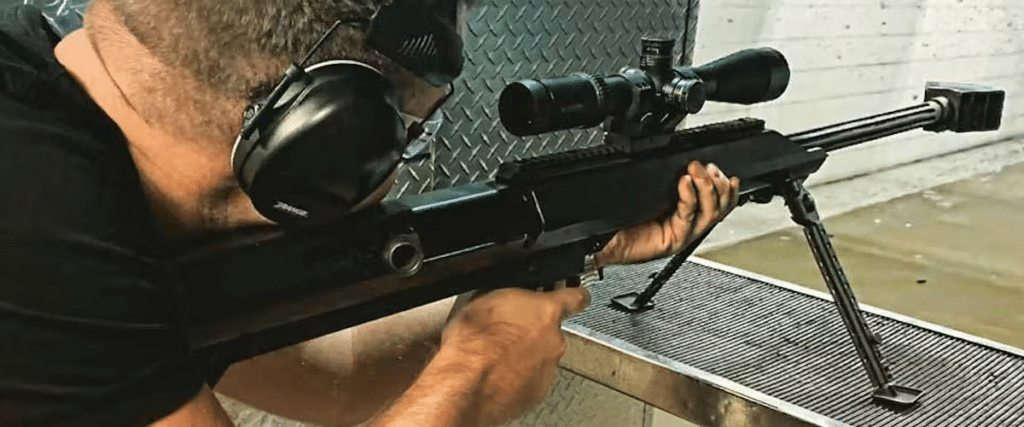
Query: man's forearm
x,y
447,394
345,378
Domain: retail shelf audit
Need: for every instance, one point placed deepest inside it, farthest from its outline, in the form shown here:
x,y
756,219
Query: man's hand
x,y
498,358
518,334
706,196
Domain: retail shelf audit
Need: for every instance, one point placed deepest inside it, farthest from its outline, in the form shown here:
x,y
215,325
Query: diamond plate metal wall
x,y
516,39
511,40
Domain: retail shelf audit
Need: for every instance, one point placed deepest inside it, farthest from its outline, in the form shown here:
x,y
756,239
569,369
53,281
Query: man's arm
x,y
344,378
447,394
498,358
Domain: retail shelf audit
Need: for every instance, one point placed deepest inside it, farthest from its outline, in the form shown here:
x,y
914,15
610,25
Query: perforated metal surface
x,y
512,40
792,346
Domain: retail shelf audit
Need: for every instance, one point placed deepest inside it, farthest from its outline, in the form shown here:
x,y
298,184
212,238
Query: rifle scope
x,y
656,91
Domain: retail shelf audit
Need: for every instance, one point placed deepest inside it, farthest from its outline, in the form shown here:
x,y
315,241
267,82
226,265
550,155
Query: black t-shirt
x,y
90,331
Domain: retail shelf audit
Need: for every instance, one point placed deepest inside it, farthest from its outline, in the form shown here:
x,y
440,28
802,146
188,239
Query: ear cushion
x,y
332,140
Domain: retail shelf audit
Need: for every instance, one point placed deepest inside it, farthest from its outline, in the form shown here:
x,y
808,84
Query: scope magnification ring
x,y
600,87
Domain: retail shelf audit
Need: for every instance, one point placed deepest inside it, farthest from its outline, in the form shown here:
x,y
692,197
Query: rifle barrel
x,y
834,137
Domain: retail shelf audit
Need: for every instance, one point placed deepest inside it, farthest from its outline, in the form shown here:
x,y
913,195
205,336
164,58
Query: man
x,y
115,147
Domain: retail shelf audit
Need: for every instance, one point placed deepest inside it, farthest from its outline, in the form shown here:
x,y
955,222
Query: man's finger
x,y
734,193
687,207
572,300
708,200
678,229
722,188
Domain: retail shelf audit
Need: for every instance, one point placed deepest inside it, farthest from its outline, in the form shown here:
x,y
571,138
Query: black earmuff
x,y
331,139
330,135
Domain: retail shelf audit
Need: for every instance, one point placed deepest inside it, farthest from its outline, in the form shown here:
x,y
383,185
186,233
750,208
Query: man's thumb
x,y
573,300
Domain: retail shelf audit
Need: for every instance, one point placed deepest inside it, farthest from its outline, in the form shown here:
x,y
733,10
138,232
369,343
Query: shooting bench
x,y
726,347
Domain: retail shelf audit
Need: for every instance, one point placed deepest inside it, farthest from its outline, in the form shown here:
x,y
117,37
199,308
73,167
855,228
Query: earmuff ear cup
x,y
325,148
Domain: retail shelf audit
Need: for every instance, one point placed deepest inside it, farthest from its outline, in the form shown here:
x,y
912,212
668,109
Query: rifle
x,y
539,217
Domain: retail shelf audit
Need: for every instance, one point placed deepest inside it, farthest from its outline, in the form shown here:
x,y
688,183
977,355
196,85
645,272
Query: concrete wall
x,y
851,58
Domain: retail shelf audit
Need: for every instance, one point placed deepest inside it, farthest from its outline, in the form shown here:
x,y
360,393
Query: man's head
x,y
217,55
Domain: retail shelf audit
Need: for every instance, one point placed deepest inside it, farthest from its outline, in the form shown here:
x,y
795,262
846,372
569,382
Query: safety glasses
x,y
423,133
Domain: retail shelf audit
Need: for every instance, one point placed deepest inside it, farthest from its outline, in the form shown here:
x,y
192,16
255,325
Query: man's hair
x,y
221,54
240,48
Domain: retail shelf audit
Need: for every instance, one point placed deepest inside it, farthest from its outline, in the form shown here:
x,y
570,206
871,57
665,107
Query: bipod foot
x,y
630,303
897,395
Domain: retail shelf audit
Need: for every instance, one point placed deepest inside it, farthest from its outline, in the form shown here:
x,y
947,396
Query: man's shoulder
x,y
25,31
39,100
29,71
57,144
26,47
31,131
78,243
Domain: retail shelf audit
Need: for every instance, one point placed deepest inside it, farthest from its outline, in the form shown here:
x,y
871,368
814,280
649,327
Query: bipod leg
x,y
636,302
804,212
